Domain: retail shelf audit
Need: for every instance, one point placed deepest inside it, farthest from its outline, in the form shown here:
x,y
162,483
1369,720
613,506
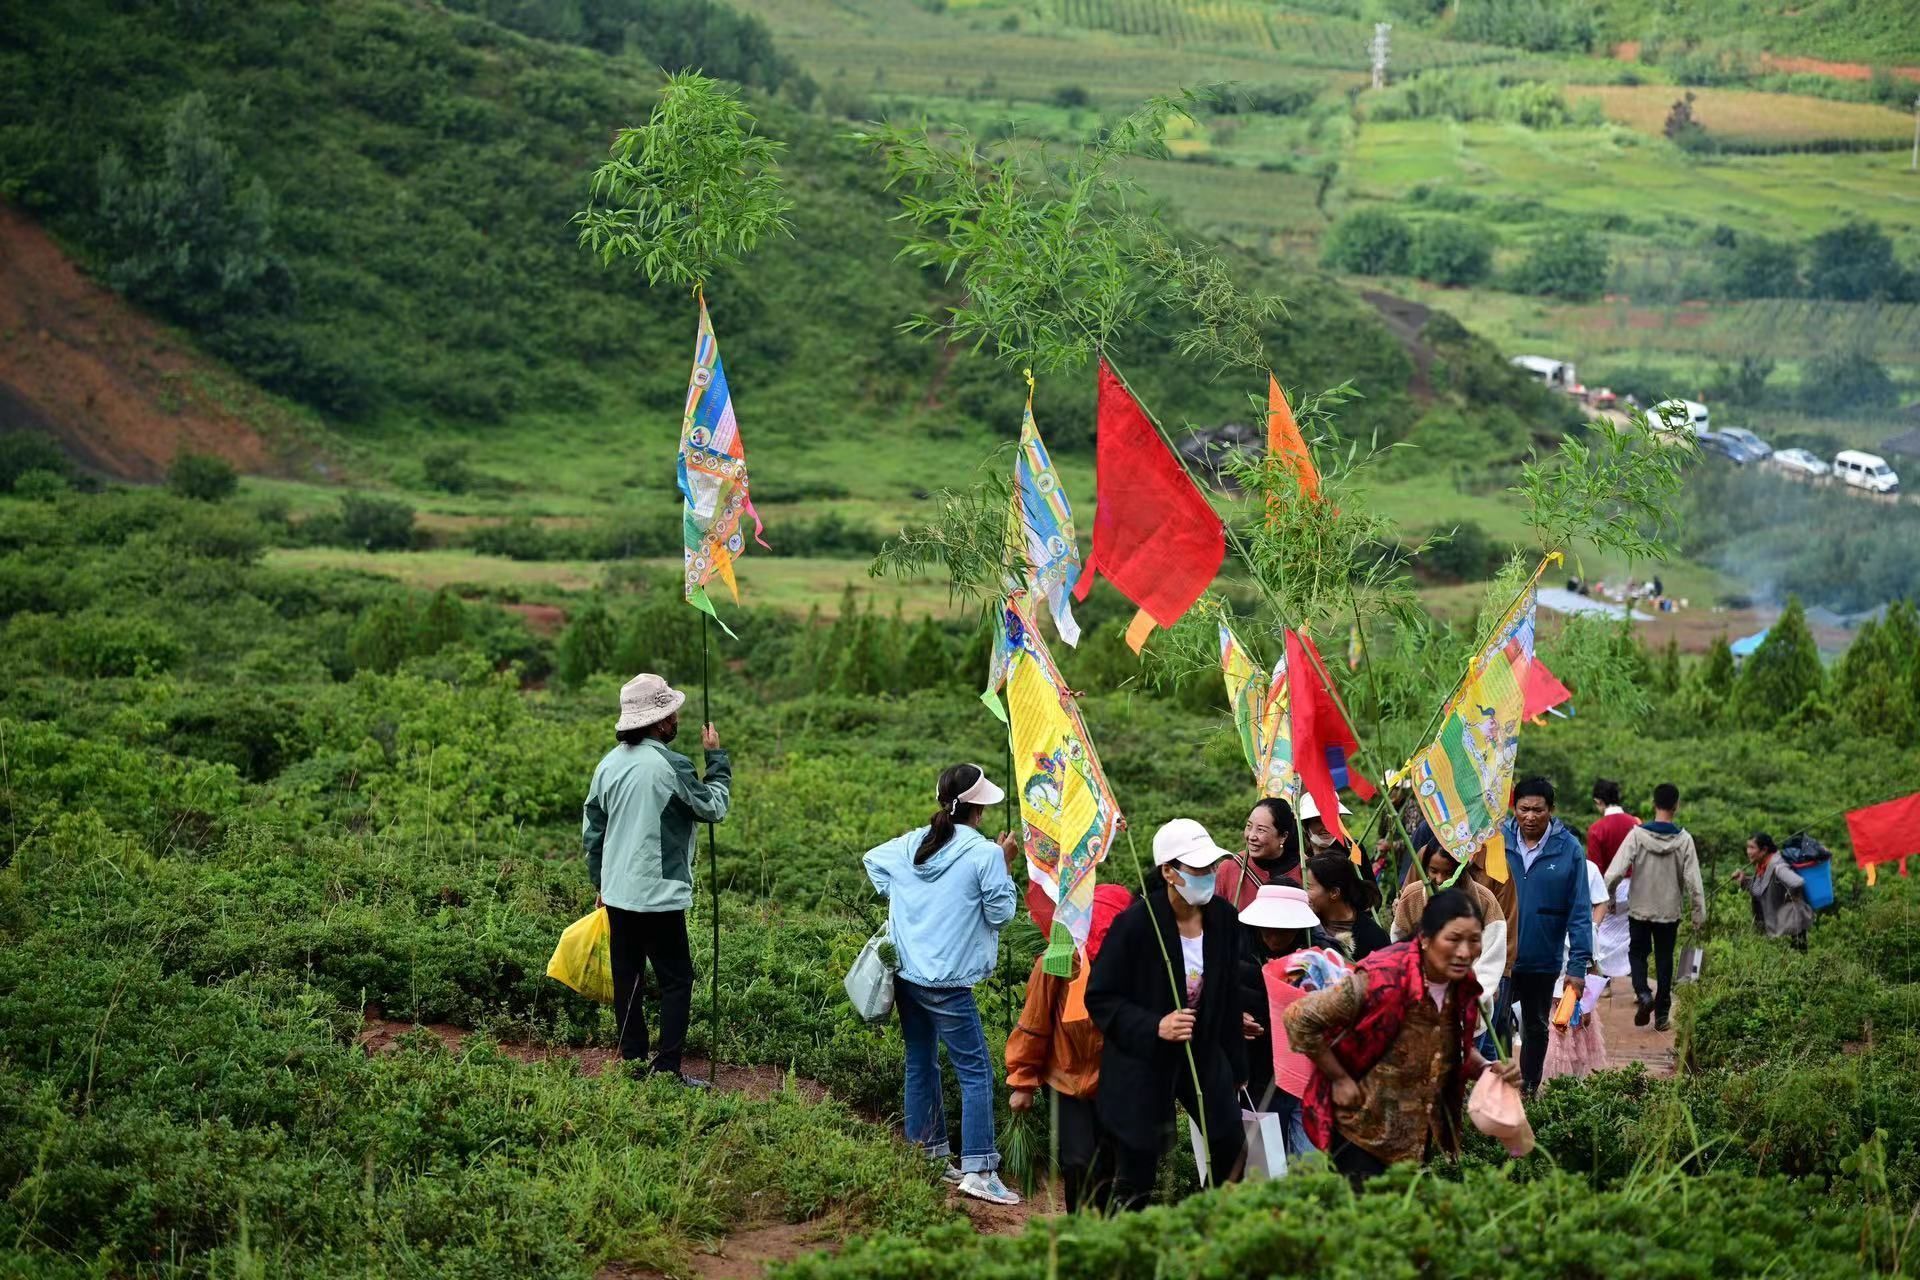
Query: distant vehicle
x,y
1728,446
1603,398
1558,375
1678,417
1760,448
1867,471
1801,461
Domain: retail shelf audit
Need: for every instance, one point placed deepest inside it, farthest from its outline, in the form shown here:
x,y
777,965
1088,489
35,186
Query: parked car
x,y
1758,447
1802,461
1678,417
1867,471
1733,450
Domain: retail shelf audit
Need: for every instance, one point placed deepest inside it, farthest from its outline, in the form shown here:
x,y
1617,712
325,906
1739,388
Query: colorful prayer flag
x,y
1260,717
1355,650
1067,811
1155,535
713,475
1322,738
1046,537
1463,779
1285,442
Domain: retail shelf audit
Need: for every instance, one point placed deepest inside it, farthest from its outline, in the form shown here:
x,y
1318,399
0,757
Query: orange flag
x,y
1284,441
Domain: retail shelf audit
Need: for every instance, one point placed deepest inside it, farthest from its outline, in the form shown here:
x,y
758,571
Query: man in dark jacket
x,y
1165,994
1554,920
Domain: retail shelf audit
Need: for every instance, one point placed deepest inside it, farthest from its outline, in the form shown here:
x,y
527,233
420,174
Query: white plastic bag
x,y
869,982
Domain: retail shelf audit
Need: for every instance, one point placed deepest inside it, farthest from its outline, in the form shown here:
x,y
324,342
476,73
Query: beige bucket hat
x,y
646,699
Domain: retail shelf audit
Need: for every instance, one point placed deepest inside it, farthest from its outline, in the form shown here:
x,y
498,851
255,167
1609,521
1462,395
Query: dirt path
x,y
1628,1044
746,1253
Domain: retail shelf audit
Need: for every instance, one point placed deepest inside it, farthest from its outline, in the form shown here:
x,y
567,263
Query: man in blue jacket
x,y
1554,921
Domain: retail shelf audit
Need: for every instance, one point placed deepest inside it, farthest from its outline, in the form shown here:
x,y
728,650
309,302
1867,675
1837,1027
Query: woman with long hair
x,y
948,894
1345,900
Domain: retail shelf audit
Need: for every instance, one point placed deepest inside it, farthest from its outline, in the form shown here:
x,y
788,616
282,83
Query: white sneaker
x,y
987,1186
950,1173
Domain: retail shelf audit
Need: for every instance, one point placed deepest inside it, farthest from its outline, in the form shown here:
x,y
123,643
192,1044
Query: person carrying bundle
x,y
1165,993
1392,1044
1056,1047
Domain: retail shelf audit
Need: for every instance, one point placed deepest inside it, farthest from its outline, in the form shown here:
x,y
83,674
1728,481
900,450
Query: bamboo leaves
x,y
693,189
1614,489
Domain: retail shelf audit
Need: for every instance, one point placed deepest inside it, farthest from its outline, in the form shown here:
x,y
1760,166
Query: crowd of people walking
x,y
1252,991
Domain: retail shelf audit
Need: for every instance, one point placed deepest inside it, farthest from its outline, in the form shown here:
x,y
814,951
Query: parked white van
x,y
1867,471
1680,417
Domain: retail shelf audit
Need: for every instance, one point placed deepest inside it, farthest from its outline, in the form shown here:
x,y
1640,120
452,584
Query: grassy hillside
x,y
414,171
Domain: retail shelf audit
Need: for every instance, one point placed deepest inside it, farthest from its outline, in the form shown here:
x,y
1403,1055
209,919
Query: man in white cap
x,y
642,813
1166,981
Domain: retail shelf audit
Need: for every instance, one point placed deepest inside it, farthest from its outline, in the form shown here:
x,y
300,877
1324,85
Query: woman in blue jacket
x,y
948,894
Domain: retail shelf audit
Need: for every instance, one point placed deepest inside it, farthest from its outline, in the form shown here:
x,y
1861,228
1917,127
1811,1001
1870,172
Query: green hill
x,y
364,207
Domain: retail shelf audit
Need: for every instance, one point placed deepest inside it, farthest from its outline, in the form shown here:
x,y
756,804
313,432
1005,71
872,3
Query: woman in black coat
x,y
1145,1065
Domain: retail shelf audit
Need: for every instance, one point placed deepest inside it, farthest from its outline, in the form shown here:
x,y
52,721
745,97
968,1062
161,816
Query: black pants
x,y
1137,1169
1356,1165
1535,993
1085,1153
660,938
1657,936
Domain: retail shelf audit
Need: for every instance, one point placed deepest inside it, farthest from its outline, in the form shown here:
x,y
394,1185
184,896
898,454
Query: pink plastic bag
x,y
1497,1111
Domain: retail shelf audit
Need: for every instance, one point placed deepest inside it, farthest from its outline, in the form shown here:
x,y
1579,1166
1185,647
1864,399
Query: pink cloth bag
x,y
1497,1111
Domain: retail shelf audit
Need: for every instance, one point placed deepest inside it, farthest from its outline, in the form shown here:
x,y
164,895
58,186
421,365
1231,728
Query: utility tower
x,y
1378,48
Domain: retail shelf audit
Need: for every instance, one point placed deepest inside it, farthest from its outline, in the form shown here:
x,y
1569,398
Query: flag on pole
x,y
1322,739
1463,779
713,475
1886,832
1067,811
1285,442
1155,535
1245,695
1259,707
1046,537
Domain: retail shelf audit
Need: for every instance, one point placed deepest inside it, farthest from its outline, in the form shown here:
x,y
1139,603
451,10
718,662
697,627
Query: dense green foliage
x,y
241,806
411,263
1567,264
1371,242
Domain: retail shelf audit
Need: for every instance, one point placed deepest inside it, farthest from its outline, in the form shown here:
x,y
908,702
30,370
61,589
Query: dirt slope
x,y
120,393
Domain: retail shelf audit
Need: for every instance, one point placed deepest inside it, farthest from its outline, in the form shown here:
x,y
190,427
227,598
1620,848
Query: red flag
x,y
1885,832
1542,690
1155,536
1322,738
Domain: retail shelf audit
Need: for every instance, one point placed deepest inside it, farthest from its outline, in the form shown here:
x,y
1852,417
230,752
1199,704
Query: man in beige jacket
x,y
1665,871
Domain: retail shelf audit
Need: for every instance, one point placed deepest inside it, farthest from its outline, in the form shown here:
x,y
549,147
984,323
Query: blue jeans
x,y
930,1017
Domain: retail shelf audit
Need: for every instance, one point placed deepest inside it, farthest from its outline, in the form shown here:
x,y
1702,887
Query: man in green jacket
x,y
642,812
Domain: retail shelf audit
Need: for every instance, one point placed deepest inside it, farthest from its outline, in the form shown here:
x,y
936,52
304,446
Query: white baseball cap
x,y
1186,842
1310,808
1279,906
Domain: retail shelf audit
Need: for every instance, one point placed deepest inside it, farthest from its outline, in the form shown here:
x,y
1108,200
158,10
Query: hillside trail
x,y
1628,1044
746,1253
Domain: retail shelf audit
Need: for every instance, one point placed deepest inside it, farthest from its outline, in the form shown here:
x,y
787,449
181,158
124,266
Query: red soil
x,y
1629,51
120,393
544,619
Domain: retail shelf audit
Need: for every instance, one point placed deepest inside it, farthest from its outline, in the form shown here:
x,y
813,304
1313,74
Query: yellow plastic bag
x,y
583,959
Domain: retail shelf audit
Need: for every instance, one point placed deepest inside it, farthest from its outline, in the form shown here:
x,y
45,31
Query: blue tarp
x,y
1745,645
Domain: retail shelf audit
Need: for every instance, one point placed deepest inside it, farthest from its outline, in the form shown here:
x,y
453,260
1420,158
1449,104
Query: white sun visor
x,y
982,792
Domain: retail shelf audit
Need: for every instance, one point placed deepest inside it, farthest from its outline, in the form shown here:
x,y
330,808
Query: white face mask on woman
x,y
1322,839
1196,887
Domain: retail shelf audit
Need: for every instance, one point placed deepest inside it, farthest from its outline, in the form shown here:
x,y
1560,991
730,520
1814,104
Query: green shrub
x,y
40,485
1837,383
378,524
1451,251
202,477
25,451
1566,264
1370,242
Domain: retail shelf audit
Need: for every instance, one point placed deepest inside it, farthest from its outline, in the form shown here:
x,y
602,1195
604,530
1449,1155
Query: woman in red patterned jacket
x,y
1393,1046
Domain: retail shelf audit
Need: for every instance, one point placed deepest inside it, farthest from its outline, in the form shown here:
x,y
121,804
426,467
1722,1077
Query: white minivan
x,y
1867,471
1678,417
